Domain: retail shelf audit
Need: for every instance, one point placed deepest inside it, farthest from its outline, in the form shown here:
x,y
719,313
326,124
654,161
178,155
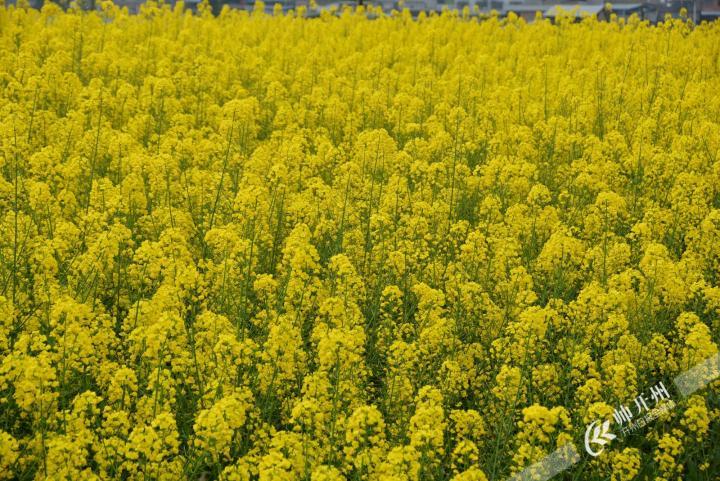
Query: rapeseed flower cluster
x,y
355,247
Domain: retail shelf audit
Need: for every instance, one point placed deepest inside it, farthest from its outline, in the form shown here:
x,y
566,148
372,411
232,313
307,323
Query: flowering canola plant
x,y
355,247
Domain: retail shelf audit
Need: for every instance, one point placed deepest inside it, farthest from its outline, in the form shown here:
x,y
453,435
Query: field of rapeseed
x,y
266,247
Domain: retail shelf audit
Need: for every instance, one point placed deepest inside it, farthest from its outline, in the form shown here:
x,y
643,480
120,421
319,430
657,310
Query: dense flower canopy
x,y
268,247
